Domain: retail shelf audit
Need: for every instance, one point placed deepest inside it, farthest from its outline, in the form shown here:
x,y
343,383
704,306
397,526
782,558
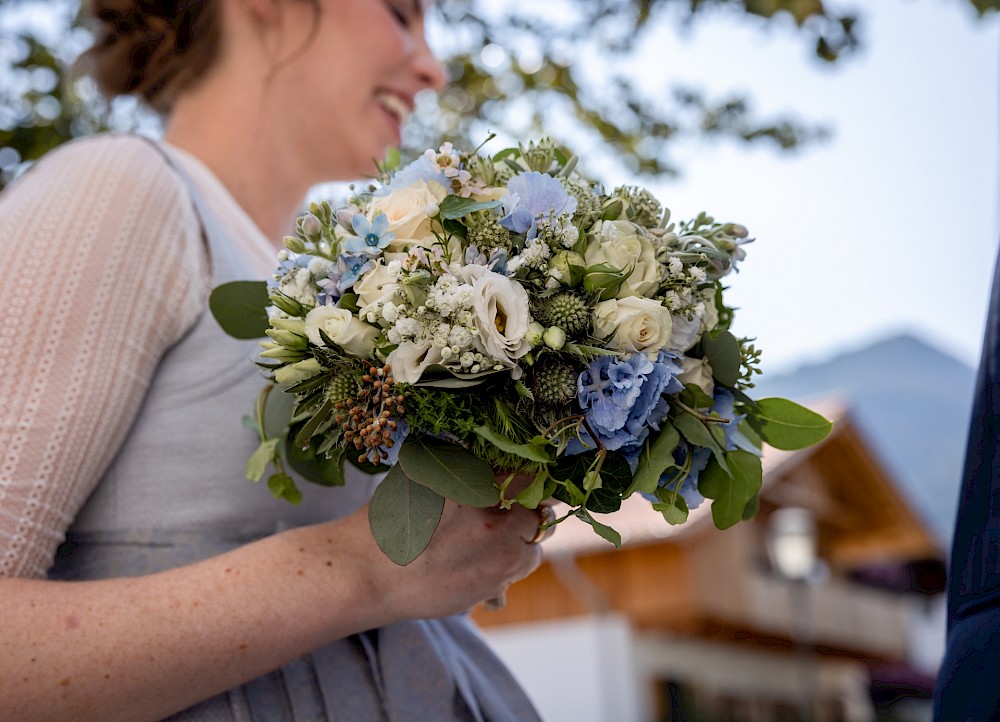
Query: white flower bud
x,y
554,337
535,333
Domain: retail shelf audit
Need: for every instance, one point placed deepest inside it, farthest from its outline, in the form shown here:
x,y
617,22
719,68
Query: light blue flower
x,y
398,437
533,197
371,237
622,399
291,262
424,168
349,270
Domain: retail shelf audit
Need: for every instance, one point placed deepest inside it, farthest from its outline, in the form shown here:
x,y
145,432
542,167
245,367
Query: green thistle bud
x,y
554,381
343,386
641,206
588,203
565,310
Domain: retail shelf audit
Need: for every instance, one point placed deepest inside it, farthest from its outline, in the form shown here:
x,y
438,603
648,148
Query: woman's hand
x,y
474,555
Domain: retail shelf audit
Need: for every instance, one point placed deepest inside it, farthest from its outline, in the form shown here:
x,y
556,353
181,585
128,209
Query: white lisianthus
x,y
378,283
353,335
621,245
634,324
711,317
500,307
697,372
686,332
410,359
406,209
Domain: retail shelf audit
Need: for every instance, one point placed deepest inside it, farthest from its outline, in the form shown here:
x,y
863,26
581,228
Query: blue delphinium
x,y
372,237
533,197
622,399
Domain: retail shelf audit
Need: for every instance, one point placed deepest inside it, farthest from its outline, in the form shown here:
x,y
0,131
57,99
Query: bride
x,y
141,575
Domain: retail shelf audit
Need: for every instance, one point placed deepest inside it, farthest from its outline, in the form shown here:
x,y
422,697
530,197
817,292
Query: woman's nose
x,y
429,70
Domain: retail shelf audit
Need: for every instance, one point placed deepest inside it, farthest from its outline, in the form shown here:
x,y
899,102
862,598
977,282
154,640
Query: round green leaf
x,y
240,308
787,425
450,470
723,353
403,516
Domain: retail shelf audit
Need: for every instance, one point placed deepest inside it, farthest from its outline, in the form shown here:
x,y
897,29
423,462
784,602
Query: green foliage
x,y
731,491
723,353
657,456
454,207
449,470
403,516
786,425
240,308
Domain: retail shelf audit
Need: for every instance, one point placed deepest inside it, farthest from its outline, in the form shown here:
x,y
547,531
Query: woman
x,y
181,586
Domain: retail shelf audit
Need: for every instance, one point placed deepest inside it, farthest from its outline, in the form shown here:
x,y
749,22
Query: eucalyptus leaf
x,y
657,456
403,516
455,207
786,425
697,433
449,470
531,452
605,531
731,493
240,308
277,412
723,353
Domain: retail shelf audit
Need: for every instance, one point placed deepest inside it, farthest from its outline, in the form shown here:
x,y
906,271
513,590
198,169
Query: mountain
x,y
913,402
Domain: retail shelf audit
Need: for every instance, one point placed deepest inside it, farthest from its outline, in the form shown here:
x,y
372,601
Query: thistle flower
x,y
566,310
554,381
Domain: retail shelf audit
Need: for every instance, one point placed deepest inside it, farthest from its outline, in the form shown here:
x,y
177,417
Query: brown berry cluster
x,y
369,418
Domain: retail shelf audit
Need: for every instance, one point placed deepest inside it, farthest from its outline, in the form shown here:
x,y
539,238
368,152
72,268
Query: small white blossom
x,y
697,274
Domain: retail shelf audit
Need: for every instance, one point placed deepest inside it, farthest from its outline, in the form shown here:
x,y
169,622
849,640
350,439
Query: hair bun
x,y
150,49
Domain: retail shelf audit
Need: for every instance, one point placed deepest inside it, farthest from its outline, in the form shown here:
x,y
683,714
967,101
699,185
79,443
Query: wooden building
x,y
708,628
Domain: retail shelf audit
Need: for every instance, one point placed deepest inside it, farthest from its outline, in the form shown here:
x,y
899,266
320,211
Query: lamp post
x,y
792,547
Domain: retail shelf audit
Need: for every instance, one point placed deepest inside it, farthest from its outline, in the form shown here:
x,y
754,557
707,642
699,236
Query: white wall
x,y
577,670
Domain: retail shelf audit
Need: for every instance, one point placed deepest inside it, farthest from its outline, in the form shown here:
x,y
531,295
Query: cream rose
x,y
500,306
697,371
409,360
376,283
634,324
621,245
406,210
354,336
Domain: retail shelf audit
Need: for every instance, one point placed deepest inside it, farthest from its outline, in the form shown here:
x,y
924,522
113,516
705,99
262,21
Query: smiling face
x,y
340,96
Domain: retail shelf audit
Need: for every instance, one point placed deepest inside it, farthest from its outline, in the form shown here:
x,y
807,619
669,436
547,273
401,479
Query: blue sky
x,y
891,225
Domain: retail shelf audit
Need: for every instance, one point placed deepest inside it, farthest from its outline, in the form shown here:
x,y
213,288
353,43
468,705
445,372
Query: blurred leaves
x,y
564,68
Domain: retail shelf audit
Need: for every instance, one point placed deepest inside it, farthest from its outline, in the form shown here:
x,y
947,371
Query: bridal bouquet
x,y
468,319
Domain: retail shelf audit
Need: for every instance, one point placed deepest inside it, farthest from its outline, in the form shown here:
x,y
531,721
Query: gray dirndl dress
x,y
176,493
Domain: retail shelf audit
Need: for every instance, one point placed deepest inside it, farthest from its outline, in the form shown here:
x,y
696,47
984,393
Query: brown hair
x,y
150,48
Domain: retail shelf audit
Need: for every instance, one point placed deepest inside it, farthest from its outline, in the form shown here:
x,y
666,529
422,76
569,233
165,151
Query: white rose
x,y
377,283
500,306
409,360
353,335
406,210
637,324
697,372
622,248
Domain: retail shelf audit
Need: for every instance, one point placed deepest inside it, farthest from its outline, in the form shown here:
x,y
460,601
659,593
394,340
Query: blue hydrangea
x,y
533,197
623,398
398,437
290,262
372,237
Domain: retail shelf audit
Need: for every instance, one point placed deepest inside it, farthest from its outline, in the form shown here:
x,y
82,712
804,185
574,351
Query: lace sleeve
x,y
102,269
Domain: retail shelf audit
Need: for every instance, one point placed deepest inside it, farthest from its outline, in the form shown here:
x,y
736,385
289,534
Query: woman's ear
x,y
264,11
